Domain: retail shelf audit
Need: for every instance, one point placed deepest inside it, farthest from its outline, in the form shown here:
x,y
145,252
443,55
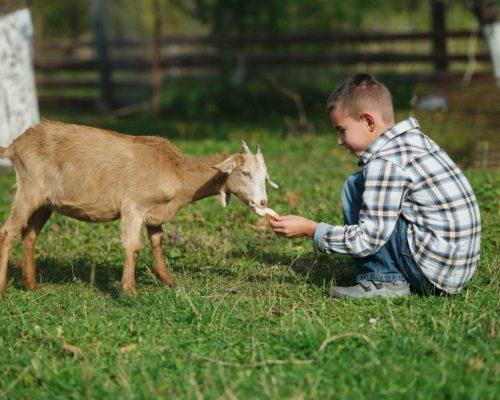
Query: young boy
x,y
411,217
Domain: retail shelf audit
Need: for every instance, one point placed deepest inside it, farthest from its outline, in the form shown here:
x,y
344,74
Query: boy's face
x,y
355,134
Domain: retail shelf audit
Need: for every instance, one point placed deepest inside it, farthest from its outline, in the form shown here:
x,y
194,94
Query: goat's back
x,y
77,166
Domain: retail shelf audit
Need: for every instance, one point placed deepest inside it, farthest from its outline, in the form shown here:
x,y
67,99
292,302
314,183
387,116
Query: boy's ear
x,y
369,119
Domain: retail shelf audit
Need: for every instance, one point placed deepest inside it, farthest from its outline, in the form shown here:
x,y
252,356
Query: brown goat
x,y
95,175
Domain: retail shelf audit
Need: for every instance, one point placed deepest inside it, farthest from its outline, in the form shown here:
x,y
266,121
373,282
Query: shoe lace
x,y
368,286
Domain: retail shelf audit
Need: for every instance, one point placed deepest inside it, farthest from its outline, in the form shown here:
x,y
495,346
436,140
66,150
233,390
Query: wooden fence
x,y
73,63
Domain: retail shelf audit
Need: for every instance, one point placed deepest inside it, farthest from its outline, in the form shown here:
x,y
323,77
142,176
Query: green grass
x,y
249,317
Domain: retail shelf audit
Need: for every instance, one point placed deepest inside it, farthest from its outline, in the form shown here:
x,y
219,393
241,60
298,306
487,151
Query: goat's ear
x,y
230,164
271,183
260,157
224,198
227,166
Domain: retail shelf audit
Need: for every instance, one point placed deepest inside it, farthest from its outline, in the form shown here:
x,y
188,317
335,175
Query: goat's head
x,y
247,176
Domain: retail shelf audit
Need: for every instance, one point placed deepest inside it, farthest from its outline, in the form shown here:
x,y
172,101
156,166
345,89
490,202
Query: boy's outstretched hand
x,y
292,226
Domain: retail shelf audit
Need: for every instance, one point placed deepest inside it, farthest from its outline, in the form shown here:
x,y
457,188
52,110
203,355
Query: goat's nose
x,y
263,203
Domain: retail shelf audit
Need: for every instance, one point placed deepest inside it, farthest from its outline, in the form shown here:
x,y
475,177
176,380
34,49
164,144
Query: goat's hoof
x,y
129,290
167,280
31,287
169,283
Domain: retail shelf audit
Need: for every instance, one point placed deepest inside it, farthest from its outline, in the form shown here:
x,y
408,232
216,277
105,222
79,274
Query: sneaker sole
x,y
378,293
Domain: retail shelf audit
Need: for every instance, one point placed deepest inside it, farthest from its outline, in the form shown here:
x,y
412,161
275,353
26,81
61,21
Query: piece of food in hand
x,y
266,212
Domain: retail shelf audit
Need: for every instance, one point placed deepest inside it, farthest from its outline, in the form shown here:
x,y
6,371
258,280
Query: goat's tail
x,y
2,151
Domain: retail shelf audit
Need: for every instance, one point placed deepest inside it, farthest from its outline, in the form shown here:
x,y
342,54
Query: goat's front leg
x,y
29,236
155,234
131,240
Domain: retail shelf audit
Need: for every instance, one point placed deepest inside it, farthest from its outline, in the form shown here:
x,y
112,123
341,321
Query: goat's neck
x,y
203,180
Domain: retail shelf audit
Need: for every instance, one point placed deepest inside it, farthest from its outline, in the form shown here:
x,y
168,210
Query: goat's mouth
x,y
267,212
263,211
256,209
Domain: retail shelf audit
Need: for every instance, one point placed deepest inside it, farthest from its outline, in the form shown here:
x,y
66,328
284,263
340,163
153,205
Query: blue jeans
x,y
393,261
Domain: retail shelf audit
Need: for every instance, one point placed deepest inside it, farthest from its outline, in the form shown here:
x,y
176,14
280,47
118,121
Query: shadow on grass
x,y
319,270
323,270
200,270
51,270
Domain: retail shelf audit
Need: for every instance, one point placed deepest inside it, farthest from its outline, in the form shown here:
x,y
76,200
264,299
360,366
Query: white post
x,y
491,34
18,99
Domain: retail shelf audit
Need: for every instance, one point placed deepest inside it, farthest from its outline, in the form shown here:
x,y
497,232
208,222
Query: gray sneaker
x,y
366,289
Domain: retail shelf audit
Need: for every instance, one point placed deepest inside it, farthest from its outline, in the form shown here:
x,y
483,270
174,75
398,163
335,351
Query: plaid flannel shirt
x,y
408,174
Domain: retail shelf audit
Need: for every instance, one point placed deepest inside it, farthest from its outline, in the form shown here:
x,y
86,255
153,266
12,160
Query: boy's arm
x,y
385,186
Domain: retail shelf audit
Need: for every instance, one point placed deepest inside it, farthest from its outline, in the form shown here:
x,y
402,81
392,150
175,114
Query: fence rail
x,y
270,39
55,58
254,59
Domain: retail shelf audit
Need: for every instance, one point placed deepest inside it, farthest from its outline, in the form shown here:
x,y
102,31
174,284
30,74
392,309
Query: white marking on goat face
x,y
248,180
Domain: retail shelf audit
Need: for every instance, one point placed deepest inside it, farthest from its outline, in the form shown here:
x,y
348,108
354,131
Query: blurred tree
x,y
61,19
486,11
135,18
236,17
228,17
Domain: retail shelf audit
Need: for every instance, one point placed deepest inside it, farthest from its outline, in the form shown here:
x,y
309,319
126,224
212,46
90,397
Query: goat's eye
x,y
247,174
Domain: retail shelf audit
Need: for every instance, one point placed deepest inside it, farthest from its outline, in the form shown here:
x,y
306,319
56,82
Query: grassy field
x,y
249,317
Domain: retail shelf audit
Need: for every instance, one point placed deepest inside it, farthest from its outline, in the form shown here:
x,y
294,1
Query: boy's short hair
x,y
361,91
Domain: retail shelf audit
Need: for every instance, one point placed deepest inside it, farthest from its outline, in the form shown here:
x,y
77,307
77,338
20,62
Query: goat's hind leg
x,y
29,236
155,234
19,216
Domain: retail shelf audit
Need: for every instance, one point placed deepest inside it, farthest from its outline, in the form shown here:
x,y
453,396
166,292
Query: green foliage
x,y
230,16
134,18
249,317
61,19
226,17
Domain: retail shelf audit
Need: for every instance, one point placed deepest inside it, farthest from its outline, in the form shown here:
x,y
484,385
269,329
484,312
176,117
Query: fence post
x,y
438,36
488,14
156,75
101,47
